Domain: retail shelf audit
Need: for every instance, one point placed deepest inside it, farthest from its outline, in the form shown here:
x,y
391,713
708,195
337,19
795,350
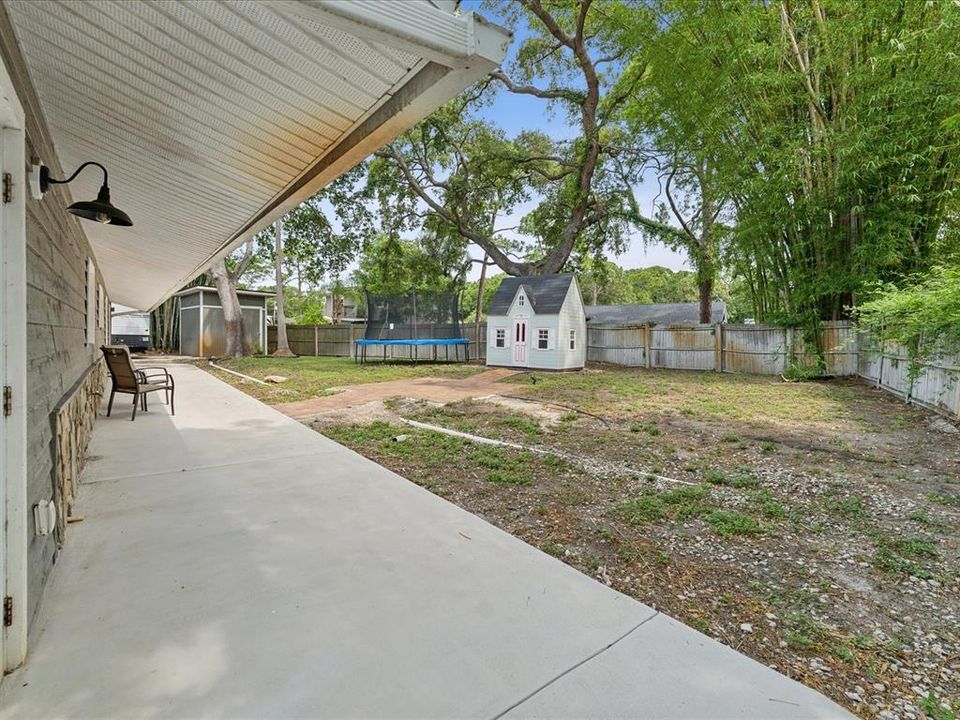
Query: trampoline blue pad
x,y
416,341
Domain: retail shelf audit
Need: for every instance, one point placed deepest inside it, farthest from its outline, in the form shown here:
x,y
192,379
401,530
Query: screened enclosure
x,y
413,320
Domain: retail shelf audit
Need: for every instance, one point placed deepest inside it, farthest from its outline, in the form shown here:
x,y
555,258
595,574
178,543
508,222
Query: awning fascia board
x,y
445,38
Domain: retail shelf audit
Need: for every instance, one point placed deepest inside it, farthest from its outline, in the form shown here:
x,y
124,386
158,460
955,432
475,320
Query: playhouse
x,y
537,322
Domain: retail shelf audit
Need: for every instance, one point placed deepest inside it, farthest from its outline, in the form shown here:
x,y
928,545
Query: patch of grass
x,y
552,547
742,479
642,510
944,499
728,523
490,457
804,630
799,373
922,517
309,377
934,709
556,462
730,438
851,508
898,556
688,501
767,447
569,417
528,427
767,505
844,653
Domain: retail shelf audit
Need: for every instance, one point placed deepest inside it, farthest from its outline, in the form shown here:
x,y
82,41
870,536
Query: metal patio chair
x,y
138,382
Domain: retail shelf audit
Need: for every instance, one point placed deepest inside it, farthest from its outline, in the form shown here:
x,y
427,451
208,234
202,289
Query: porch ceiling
x,y
215,117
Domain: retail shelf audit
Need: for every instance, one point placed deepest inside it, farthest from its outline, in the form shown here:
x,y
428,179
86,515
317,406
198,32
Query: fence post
x,y
718,352
316,340
648,341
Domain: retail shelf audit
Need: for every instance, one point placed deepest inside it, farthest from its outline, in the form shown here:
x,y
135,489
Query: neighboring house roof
x,y
546,293
656,314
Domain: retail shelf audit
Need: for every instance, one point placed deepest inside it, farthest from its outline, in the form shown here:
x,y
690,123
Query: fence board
x,y
753,349
617,344
683,347
937,386
339,341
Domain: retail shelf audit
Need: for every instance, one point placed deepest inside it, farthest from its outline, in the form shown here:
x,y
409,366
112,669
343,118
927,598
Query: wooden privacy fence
x,y
755,349
936,386
340,341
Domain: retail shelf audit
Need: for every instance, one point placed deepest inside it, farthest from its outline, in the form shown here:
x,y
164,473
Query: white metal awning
x,y
215,117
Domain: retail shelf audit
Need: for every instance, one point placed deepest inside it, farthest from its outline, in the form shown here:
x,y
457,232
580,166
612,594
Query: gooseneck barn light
x,y
100,209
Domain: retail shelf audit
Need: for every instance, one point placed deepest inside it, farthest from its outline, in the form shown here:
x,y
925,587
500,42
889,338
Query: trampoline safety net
x,y
414,316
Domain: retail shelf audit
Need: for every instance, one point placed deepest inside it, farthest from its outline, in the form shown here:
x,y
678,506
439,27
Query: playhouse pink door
x,y
520,342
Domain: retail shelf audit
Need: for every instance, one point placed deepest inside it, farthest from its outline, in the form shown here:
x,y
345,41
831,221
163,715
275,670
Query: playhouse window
x,y
501,339
520,301
573,339
543,339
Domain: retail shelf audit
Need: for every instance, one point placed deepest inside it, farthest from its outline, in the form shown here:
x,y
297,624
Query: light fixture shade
x,y
100,210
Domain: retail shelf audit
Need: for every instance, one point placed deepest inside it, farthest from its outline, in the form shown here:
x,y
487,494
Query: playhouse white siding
x,y
557,355
572,317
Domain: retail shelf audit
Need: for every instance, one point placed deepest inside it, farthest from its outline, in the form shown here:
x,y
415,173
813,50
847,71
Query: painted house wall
x,y
57,318
557,356
58,356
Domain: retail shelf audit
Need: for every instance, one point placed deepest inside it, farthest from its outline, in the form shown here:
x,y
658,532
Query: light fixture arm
x,y
46,181
100,210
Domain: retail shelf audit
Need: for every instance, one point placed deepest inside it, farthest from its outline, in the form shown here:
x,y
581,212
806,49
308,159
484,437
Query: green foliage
x,y
728,523
468,303
832,128
798,372
923,316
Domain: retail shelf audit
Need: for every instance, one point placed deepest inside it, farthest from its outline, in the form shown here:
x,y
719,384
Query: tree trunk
x,y
283,347
706,292
706,269
480,284
230,304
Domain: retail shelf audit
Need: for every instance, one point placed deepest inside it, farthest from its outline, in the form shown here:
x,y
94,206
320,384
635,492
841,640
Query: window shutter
x,y
551,339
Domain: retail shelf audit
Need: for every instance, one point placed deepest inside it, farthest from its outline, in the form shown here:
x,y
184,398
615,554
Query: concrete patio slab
x,y
233,563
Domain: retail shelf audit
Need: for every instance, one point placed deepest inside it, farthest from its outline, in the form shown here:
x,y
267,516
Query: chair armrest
x,y
153,371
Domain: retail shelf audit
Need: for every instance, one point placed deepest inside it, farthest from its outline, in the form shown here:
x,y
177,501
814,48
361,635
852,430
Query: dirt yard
x,y
813,526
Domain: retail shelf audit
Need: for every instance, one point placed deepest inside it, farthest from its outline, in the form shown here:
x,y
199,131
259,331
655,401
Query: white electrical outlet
x,y
44,517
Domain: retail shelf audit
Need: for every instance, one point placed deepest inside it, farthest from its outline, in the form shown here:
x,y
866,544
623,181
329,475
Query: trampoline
x,y
414,321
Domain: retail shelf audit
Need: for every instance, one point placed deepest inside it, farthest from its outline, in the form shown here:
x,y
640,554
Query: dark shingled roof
x,y
662,314
546,293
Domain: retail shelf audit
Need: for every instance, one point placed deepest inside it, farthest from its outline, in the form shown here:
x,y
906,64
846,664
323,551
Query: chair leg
x,y
172,410
136,401
143,402
110,404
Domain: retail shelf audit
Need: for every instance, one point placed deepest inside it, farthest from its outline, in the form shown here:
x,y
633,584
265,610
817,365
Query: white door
x,y
3,421
520,343
13,373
